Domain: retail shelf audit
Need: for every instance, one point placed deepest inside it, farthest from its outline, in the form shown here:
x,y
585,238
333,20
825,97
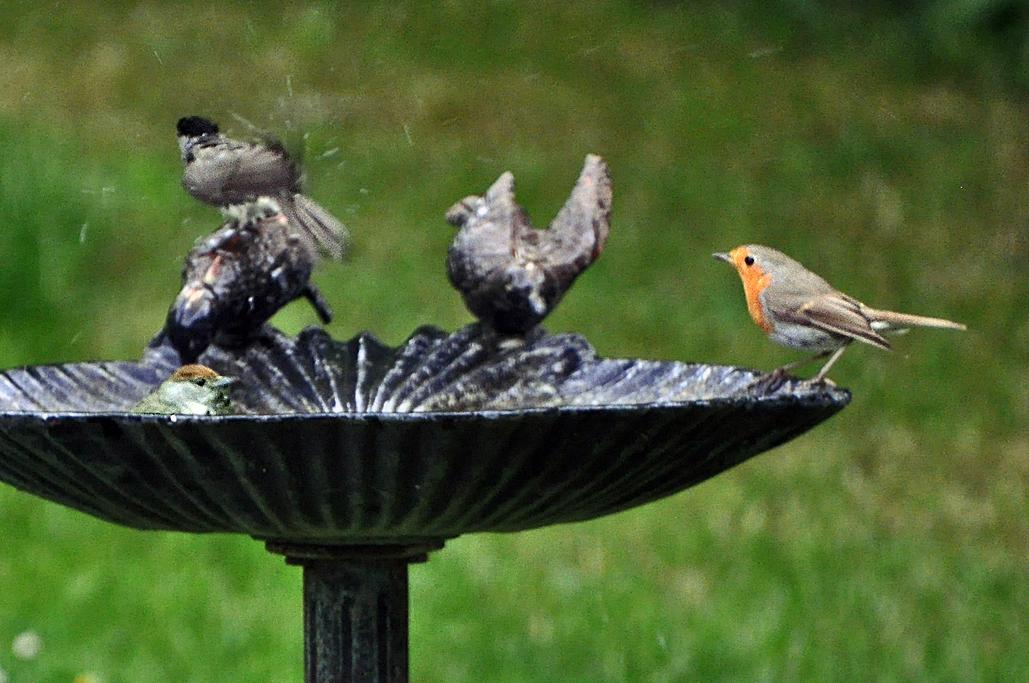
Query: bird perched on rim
x,y
512,275
222,171
190,390
238,278
798,309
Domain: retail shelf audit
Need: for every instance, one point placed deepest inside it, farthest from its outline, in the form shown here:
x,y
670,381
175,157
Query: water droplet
x,y
27,645
764,52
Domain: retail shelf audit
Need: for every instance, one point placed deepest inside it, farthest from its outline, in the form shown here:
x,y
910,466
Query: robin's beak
x,y
223,382
721,256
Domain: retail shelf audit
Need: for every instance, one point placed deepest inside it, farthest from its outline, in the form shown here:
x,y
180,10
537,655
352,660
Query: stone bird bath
x,y
354,459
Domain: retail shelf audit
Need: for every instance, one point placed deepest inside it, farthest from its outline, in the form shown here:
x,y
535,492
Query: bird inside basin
x,y
190,390
798,309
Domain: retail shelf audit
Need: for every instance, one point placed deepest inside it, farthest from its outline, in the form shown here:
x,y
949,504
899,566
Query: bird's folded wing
x,y
834,313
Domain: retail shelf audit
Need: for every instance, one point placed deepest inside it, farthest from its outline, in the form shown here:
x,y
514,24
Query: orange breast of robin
x,y
755,281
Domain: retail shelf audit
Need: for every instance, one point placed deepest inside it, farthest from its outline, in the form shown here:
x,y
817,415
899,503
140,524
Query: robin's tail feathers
x,y
903,320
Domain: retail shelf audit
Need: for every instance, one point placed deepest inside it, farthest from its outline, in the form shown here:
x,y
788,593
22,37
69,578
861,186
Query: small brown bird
x,y
223,172
510,274
238,278
190,390
798,309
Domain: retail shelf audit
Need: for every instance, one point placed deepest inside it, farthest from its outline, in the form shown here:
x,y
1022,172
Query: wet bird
x,y
191,390
511,275
798,309
238,278
222,172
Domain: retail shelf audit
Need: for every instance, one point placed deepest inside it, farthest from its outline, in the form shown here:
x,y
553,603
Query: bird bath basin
x,y
354,459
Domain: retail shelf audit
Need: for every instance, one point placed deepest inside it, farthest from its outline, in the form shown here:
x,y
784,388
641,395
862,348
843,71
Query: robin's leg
x,y
771,382
776,378
797,363
318,302
829,363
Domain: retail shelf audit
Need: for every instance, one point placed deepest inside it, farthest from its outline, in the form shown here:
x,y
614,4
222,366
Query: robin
x,y
798,309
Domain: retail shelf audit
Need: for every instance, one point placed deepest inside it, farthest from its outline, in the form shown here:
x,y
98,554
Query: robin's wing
x,y
578,233
840,314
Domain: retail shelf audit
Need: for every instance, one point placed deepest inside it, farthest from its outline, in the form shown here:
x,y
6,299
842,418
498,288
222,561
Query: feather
x,y
842,315
895,320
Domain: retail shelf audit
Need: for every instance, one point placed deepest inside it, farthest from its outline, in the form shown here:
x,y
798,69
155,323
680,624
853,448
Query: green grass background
x,y
887,148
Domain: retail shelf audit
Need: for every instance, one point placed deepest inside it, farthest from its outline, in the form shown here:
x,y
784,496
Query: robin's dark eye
x,y
200,381
749,260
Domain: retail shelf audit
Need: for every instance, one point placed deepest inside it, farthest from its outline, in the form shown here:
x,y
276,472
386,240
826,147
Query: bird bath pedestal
x,y
353,459
355,608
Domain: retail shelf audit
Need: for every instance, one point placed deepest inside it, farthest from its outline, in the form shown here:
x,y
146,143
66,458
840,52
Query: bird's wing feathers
x,y
842,315
229,172
321,231
578,233
262,170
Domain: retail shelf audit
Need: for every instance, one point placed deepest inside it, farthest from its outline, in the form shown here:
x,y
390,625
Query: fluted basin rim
x,y
830,396
356,442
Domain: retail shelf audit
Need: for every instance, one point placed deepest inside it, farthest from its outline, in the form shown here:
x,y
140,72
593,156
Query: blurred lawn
x,y
890,544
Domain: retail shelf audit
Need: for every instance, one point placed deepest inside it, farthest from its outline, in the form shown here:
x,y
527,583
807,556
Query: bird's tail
x,y
327,234
894,320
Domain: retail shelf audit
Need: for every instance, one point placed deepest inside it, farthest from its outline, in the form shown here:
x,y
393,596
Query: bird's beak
x,y
458,214
223,382
722,256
